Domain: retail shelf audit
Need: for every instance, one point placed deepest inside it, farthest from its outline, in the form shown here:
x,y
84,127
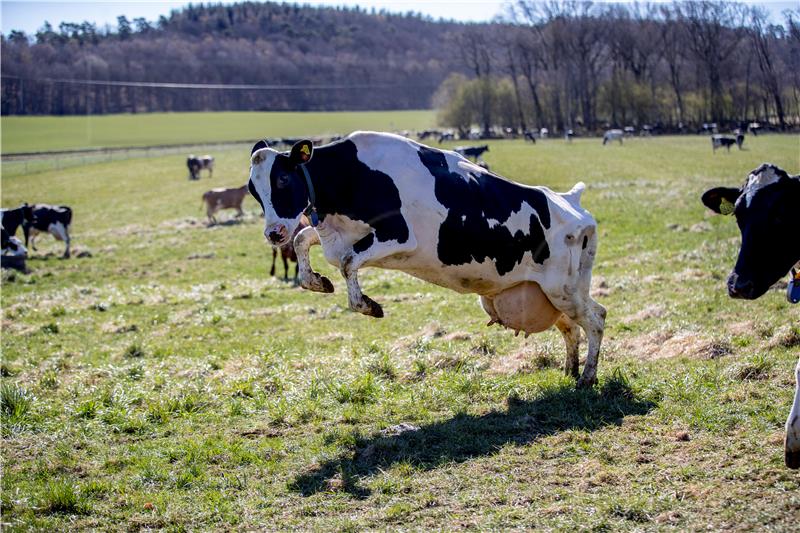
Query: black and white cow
x,y
196,164
386,201
613,135
766,210
472,152
52,219
723,141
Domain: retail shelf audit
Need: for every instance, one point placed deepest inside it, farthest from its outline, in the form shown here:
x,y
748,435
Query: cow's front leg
x,y
792,443
357,300
368,249
309,279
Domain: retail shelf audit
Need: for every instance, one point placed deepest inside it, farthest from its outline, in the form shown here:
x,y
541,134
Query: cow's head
x,y
278,184
766,210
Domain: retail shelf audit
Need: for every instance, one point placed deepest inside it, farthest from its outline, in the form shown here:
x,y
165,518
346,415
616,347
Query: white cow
x,y
386,201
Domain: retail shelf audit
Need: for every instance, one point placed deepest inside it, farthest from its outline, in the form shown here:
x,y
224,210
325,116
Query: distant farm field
x,y
167,382
48,134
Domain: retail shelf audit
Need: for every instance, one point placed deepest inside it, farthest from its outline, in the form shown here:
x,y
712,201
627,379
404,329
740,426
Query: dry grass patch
x,y
666,344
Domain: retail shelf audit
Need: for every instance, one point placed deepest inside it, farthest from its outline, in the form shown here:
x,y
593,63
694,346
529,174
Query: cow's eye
x,y
282,182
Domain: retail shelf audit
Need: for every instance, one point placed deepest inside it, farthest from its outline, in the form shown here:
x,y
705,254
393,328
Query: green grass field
x,y
168,382
49,134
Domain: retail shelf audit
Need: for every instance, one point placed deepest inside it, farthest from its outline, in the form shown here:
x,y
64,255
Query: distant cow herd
x,y
384,200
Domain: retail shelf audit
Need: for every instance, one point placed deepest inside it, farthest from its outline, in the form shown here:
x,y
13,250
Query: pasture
x,y
167,382
21,134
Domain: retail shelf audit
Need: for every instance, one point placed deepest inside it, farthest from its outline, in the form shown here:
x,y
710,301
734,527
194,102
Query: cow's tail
x,y
574,194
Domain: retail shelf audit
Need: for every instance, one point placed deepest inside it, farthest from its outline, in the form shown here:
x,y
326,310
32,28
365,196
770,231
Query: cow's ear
x,y
258,146
301,152
721,199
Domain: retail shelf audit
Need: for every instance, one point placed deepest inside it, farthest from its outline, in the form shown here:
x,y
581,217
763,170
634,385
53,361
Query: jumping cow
x,y
472,152
217,199
613,135
52,219
377,199
196,164
766,211
719,141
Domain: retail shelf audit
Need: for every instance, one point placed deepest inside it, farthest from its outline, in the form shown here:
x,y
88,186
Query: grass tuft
x,y
64,498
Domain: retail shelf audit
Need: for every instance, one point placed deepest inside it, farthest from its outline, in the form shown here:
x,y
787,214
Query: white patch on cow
x,y
492,222
260,167
520,220
57,230
756,182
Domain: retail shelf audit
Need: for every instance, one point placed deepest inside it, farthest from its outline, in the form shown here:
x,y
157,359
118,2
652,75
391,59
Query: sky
x,y
30,15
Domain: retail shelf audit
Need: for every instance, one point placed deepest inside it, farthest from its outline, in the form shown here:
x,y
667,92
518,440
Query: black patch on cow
x,y
288,189
344,185
364,243
254,194
465,235
585,242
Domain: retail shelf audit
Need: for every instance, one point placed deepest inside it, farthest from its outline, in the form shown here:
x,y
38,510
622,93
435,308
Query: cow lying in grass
x,y
378,199
766,210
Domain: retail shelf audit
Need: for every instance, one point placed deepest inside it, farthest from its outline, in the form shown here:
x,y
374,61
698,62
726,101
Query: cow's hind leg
x,y
792,443
274,256
572,336
60,232
574,300
309,279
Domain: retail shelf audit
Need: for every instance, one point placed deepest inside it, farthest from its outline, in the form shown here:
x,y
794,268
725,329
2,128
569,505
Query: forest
x,y
561,64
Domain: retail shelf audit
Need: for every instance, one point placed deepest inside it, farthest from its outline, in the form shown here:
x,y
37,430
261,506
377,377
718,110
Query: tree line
x,y
568,64
560,64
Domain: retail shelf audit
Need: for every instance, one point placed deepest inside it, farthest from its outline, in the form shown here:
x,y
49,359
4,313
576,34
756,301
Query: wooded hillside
x,y
561,64
361,61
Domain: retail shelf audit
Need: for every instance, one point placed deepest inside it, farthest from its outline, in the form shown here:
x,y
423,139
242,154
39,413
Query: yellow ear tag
x,y
726,207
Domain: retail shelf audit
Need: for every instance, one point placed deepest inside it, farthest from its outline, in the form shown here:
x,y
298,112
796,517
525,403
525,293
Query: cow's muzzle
x,y
277,235
739,288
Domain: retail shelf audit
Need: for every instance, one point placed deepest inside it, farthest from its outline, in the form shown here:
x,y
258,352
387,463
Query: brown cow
x,y
217,199
287,253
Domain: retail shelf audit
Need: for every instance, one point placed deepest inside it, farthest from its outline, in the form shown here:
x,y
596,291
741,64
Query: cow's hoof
x,y
327,286
792,458
375,309
317,283
586,382
368,306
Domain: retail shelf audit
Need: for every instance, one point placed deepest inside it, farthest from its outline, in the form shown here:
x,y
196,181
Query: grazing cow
x,y
196,164
217,199
288,253
613,135
530,136
766,212
629,131
377,199
446,136
52,219
718,141
543,133
568,135
472,152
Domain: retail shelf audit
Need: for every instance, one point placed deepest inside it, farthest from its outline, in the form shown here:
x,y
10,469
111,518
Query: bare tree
x,y
712,32
762,37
